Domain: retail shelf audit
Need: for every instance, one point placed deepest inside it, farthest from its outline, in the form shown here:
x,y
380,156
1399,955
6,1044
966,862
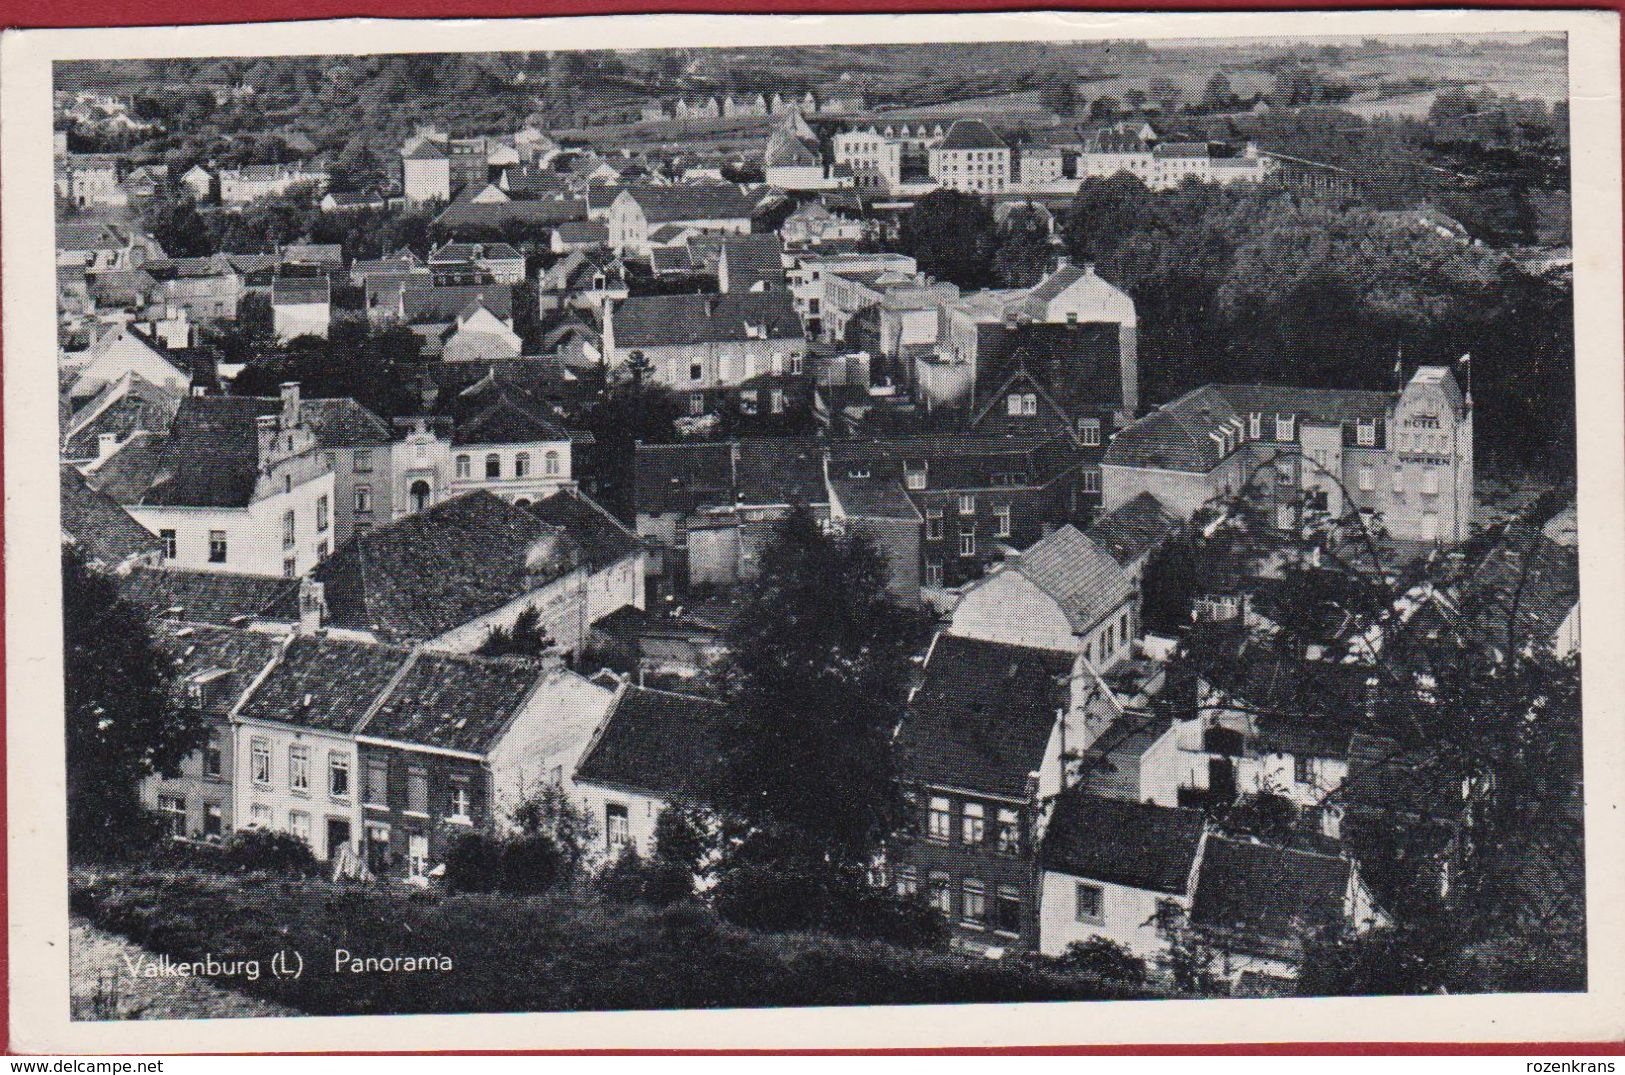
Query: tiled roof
x,y
602,538
1103,302
658,742
290,290
211,457
1527,580
1134,528
1080,575
583,231
101,528
124,406
1388,778
434,305
128,474
453,701
90,236
1300,707
682,477
971,134
423,575
752,260
227,658
1264,901
869,498
673,320
1078,366
662,205
1137,844
318,253
670,259
544,211
497,410
324,683
343,423
218,597
982,718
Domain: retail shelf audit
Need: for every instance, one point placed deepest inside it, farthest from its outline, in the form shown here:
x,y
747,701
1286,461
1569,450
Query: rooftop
x,y
1078,573
658,742
1140,845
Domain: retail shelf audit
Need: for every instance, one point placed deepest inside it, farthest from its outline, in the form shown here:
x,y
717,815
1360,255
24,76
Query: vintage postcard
x,y
704,530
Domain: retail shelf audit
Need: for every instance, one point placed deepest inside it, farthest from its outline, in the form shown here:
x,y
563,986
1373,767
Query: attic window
x,y
1367,433
1285,427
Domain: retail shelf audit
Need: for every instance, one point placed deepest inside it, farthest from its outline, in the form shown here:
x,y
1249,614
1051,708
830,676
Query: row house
x,y
807,274
238,484
208,288
652,749
446,577
357,446
239,186
1402,460
875,160
84,179
746,350
500,261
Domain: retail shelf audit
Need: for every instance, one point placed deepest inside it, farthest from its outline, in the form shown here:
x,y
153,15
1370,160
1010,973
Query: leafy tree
x,y
122,722
1024,250
951,235
1105,958
628,413
1105,108
549,812
818,670
1218,95
525,637
1060,96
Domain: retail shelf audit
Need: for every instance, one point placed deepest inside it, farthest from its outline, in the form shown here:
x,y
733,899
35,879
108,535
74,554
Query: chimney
x,y
312,605
106,445
290,404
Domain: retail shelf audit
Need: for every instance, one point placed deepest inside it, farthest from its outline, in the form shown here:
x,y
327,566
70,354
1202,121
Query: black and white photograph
x,y
771,525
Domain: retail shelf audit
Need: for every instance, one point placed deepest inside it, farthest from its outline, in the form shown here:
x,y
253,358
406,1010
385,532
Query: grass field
x,y
564,951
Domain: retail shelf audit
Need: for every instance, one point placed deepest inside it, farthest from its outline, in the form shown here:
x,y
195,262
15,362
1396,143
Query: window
x,y
1430,481
1013,404
299,767
908,882
417,791
1089,431
552,464
321,513
375,786
1009,832
363,461
1007,910
797,360
214,820
933,573
1303,770
1001,521
322,549
1399,479
299,824
211,756
168,539
464,467
287,529
493,465
1091,479
217,546
1255,426
939,895
967,543
363,500
461,802
617,826
696,403
1091,904
1284,427
973,824
967,504
260,763
973,902
914,478
1368,479
940,824
259,816
933,524
696,371
338,775
521,465
417,855
173,809
290,568
287,479
775,398
1366,434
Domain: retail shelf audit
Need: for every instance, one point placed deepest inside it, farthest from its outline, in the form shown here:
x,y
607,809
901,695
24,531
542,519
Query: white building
x,y
971,158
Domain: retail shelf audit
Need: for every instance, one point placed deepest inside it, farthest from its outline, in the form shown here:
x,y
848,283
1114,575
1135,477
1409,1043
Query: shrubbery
x,y
264,851
1105,959
519,864
777,900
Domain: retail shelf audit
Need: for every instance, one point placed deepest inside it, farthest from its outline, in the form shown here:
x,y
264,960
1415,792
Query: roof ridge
x,y
384,694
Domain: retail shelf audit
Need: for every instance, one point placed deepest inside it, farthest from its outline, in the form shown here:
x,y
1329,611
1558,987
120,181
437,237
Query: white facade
x,y
291,319
1127,915
266,795
876,161
974,171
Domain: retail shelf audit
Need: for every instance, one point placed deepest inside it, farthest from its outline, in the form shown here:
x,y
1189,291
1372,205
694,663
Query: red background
x,y
61,13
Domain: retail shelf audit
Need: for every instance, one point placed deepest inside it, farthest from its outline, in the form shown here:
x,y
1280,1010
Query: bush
x,y
522,864
779,901
1105,959
632,879
473,863
531,862
264,851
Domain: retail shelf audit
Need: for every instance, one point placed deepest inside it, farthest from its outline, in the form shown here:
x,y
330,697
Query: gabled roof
x,y
423,575
128,473
536,211
583,231
123,406
1262,900
1079,574
324,683
982,718
672,320
1104,301
661,205
454,701
1137,844
300,290
753,260
868,498
228,657
343,423
659,742
98,525
1077,367
219,597
496,410
1134,528
90,236
211,457
971,134
602,538
434,305
753,471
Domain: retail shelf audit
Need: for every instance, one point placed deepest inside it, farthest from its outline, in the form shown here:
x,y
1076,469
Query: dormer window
x,y
1255,426
1367,434
1285,427
914,478
1089,431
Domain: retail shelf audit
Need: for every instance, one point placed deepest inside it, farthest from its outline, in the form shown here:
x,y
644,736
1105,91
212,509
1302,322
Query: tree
x,y
1024,250
951,235
1218,95
549,812
123,723
818,671
525,637
627,414
1060,96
